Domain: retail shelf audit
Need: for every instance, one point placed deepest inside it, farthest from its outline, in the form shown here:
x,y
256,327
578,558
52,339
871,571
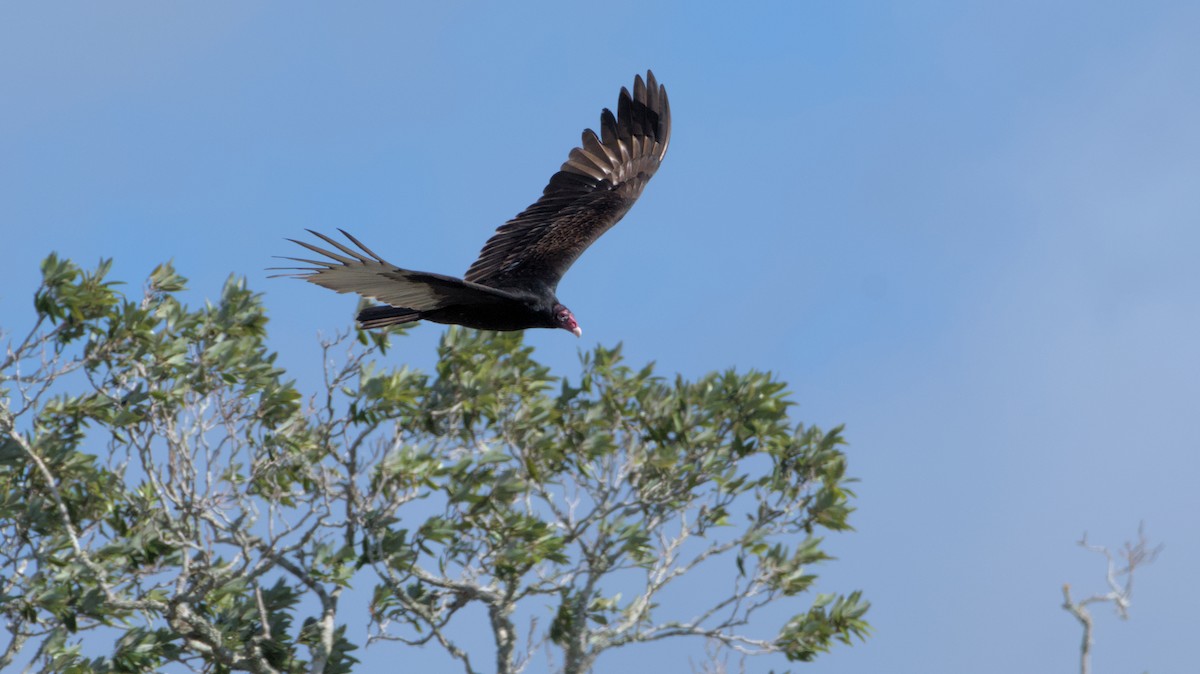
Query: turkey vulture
x,y
511,286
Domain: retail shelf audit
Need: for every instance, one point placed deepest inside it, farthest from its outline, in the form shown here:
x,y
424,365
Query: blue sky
x,y
969,231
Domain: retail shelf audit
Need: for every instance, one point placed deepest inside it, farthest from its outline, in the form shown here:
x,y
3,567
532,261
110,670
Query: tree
x,y
1119,578
164,488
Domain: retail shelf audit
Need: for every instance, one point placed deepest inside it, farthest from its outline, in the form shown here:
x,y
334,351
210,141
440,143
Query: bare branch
x,y
1119,574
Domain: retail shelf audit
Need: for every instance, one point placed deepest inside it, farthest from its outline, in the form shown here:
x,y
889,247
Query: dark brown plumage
x,y
512,284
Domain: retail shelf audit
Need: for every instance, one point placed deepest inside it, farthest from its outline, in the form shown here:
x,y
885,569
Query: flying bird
x,y
512,284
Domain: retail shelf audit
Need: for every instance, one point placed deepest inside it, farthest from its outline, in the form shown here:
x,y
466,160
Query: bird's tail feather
x,y
383,316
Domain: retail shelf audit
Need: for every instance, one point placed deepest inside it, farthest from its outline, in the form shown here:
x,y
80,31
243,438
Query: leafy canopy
x,y
168,495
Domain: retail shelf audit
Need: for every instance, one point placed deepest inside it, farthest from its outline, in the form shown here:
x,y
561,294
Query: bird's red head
x,y
566,320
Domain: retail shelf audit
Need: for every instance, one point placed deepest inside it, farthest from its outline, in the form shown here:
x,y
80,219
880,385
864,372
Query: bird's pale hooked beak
x,y
577,331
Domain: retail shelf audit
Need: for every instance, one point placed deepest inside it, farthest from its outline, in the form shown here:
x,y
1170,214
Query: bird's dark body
x,y
531,311
530,303
516,316
512,284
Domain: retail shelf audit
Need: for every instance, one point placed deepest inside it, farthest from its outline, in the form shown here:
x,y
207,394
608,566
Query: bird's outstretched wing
x,y
365,273
595,187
